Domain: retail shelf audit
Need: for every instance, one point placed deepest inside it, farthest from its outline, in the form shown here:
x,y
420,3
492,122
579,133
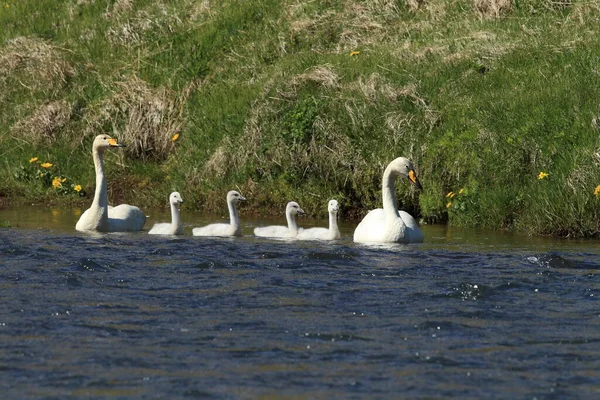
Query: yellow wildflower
x,y
461,191
46,165
77,188
450,194
175,137
56,182
542,175
448,204
354,53
597,191
32,160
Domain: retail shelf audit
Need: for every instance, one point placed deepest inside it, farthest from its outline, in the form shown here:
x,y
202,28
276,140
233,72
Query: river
x,y
468,314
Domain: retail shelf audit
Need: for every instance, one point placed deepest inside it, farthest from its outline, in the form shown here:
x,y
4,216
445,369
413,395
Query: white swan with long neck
x,y
233,228
175,227
276,231
100,216
390,225
331,233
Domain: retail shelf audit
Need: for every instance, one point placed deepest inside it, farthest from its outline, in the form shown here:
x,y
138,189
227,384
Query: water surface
x,y
467,314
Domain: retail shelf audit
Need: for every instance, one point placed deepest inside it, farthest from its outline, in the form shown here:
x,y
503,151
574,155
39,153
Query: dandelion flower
x,y
46,165
448,204
354,53
175,137
461,191
32,160
542,175
56,182
597,191
450,195
77,188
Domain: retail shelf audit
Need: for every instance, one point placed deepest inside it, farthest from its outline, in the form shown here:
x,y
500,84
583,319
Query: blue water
x,y
467,314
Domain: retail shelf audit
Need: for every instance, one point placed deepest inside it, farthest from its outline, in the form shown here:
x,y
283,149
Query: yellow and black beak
x,y
113,143
412,176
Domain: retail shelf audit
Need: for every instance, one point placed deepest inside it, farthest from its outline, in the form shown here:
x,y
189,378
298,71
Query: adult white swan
x,y
331,233
275,231
390,224
100,216
233,228
175,227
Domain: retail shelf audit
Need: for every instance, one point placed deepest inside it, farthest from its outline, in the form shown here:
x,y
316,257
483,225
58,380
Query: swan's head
x,y
293,208
404,167
103,142
234,197
333,206
175,199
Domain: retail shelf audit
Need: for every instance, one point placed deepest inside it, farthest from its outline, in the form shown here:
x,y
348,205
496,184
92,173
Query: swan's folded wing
x,y
314,234
371,227
126,218
214,230
274,231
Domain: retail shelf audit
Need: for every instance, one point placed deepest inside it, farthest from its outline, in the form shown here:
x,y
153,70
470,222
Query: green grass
x,y
268,100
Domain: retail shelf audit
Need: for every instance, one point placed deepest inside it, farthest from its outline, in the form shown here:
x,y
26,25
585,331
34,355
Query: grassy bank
x,y
308,101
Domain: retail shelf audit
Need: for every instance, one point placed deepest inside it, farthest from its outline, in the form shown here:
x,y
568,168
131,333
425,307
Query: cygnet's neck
x,y
175,218
234,219
390,204
333,226
291,220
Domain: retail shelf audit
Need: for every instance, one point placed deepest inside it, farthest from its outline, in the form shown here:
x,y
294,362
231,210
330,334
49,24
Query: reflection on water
x,y
467,314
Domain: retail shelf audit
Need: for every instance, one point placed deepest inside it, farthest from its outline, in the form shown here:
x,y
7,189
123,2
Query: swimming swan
x,y
323,233
389,224
175,227
233,228
100,216
275,231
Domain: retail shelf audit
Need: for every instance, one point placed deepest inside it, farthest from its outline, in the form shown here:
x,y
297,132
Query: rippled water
x,y
467,314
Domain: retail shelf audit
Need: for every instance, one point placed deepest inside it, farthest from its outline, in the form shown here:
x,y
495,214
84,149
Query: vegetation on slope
x,y
285,99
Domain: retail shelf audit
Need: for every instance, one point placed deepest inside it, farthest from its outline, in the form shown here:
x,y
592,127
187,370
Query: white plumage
x,y
175,227
331,233
100,216
388,224
233,228
276,231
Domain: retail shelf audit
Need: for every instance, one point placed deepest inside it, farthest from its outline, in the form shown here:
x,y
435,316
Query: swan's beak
x,y
114,143
300,211
242,198
412,176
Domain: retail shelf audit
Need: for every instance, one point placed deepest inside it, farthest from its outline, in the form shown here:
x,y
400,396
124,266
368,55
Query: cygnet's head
x,y
293,208
333,206
175,199
103,142
234,197
404,167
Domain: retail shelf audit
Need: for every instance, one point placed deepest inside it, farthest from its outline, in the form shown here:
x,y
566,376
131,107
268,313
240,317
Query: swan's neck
x,y
175,219
333,226
291,220
390,204
234,219
100,196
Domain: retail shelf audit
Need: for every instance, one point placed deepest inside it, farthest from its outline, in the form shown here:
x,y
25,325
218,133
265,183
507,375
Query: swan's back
x,y
316,234
124,217
165,228
217,230
274,231
371,228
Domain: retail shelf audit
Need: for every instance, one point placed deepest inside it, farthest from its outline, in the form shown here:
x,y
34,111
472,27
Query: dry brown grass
x,y
44,124
37,64
323,75
145,118
492,8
